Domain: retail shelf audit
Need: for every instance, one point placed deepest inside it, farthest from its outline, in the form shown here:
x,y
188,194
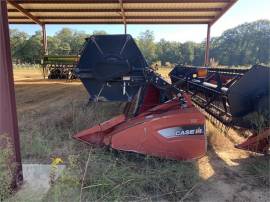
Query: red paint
x,y
8,114
150,99
257,143
141,134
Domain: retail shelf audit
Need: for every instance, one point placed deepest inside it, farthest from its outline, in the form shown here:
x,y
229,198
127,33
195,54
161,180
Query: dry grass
x,y
164,72
51,112
113,176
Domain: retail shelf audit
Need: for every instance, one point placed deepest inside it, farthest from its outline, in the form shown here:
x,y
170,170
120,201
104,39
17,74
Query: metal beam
x,y
8,114
227,7
116,17
24,12
44,40
87,10
97,23
123,15
207,46
115,1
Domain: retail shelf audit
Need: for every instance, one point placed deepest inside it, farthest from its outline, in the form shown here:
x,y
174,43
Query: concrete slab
x,y
36,182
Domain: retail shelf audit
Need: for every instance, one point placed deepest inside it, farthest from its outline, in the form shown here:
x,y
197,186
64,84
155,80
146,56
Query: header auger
x,y
159,119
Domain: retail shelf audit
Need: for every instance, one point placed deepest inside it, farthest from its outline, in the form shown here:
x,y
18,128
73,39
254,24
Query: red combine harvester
x,y
159,119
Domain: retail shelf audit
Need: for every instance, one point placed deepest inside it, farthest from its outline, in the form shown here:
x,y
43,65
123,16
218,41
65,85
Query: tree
x,y
188,52
99,32
78,39
17,42
53,45
147,45
31,52
245,44
167,51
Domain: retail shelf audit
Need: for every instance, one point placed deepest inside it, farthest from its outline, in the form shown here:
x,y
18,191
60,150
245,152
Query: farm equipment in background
x,y
159,118
60,67
236,97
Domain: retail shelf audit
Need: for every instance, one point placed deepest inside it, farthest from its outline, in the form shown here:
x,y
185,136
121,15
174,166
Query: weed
x,y
6,167
121,176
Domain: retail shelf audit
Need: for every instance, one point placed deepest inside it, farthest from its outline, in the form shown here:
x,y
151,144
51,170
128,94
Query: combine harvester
x,y
159,118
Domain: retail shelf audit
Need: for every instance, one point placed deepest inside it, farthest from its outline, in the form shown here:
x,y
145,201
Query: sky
x,y
243,11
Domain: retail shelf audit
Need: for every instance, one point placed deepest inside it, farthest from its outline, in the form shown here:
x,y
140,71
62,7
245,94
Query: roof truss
x,y
117,11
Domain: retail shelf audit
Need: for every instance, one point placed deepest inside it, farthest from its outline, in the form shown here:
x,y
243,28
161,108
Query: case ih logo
x,y
182,131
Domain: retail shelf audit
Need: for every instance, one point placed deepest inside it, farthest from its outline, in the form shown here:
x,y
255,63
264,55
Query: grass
x,y
6,167
164,72
110,176
114,176
43,138
257,168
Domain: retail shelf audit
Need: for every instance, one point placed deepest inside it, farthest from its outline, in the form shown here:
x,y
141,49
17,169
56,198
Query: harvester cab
x,y
163,121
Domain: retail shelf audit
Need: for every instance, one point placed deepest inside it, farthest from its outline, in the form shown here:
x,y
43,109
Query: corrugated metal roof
x,y
117,11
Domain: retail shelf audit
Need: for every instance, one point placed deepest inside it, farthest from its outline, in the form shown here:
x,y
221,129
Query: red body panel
x,y
142,135
162,131
150,99
96,134
257,143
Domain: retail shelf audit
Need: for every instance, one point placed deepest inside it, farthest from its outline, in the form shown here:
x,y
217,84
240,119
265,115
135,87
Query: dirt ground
x,y
226,173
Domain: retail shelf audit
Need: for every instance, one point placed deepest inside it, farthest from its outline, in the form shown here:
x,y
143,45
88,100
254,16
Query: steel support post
x,y
9,134
44,40
207,46
125,28
44,46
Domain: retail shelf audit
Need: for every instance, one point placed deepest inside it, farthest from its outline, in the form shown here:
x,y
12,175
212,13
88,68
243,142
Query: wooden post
x,y
8,114
207,46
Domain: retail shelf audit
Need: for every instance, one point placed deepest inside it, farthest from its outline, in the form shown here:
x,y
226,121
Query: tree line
x,y
246,44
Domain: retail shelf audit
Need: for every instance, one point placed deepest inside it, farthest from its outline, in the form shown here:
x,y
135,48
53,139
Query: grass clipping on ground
x,y
121,176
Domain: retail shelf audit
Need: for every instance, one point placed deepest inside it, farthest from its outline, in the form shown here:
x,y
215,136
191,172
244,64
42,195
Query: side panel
x,y
182,142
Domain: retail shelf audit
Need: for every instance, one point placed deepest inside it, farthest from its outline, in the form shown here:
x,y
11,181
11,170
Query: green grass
x,y
48,134
6,167
258,169
121,176
111,175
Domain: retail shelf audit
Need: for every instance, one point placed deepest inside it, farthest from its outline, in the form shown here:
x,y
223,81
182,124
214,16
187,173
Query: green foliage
x,y
99,32
17,42
257,169
243,45
147,45
114,176
169,52
6,167
32,50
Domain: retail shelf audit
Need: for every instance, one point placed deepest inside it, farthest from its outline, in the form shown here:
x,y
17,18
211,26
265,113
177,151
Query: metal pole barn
x,y
8,115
